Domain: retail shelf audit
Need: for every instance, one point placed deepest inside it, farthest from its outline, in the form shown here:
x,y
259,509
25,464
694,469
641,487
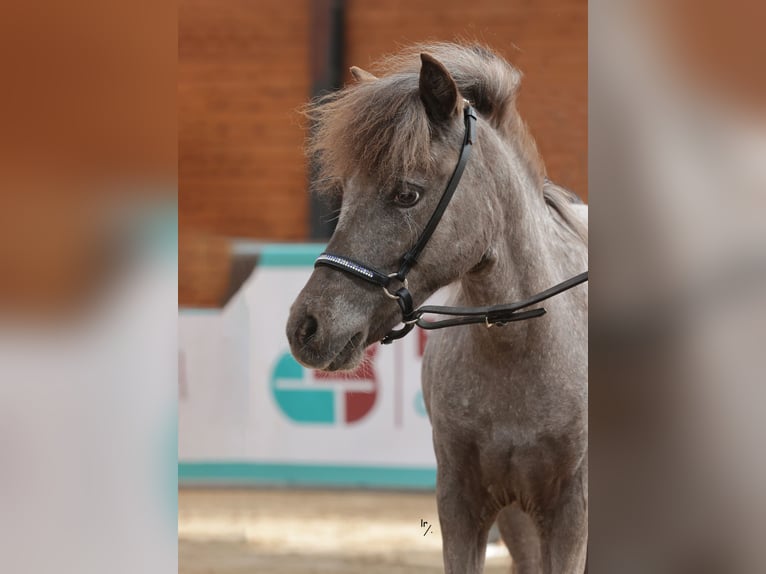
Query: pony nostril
x,y
307,329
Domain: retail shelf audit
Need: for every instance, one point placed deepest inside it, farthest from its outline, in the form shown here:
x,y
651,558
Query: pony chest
x,y
462,384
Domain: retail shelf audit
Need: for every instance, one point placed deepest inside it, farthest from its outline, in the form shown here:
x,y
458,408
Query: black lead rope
x,y
494,315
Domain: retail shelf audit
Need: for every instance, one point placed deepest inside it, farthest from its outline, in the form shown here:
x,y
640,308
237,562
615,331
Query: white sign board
x,y
249,413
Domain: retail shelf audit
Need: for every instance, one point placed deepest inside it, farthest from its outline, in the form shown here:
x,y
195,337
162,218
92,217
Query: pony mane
x,y
381,127
562,203
485,79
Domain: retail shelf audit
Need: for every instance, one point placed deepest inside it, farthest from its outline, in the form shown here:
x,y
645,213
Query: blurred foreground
x,y
678,306
306,531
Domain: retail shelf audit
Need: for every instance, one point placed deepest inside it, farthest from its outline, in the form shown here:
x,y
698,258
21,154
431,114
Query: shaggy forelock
x,y
378,128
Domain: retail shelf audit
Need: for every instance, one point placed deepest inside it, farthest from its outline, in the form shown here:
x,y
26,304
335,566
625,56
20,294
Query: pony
x,y
507,404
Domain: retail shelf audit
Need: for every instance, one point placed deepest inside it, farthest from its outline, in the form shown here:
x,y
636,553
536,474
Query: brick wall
x,y
243,74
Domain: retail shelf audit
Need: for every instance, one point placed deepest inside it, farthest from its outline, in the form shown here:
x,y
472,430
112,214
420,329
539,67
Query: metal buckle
x,y
394,296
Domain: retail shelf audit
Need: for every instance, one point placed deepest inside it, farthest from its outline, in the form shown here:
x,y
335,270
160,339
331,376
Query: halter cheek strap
x,y
410,258
496,315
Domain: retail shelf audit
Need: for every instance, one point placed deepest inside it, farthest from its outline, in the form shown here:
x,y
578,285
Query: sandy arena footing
x,y
275,531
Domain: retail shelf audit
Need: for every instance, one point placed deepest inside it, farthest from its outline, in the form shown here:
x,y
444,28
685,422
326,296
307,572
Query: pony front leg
x,y
522,539
564,536
464,521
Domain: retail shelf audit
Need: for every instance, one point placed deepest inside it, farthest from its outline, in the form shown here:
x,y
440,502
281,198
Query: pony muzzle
x,y
317,342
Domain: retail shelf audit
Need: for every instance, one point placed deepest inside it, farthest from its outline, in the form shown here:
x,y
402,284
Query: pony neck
x,y
520,261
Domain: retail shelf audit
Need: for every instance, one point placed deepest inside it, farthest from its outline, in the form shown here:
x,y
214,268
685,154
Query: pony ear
x,y
361,75
437,89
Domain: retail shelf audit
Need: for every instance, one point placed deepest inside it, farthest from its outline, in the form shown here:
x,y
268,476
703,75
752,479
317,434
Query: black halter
x,y
495,315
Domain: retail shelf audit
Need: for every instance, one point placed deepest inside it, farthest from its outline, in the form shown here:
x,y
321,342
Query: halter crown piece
x,y
495,315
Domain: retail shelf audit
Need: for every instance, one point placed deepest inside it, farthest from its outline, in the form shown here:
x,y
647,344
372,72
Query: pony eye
x,y
407,197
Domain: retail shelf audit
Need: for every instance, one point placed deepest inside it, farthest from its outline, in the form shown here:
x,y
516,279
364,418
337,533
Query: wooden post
x,y
326,52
